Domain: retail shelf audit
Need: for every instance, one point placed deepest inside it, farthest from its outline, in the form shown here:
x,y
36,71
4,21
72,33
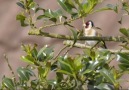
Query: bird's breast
x,y
90,32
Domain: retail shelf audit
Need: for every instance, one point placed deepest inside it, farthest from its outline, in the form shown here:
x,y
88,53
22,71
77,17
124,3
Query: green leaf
x,y
126,7
59,77
64,6
34,52
70,3
124,31
87,71
124,58
28,59
32,5
121,66
26,48
40,17
64,72
50,15
108,75
39,8
93,54
93,65
8,83
65,67
124,61
113,7
77,64
46,53
22,19
34,83
89,5
74,15
86,8
74,32
109,7
21,4
105,86
43,71
24,73
53,19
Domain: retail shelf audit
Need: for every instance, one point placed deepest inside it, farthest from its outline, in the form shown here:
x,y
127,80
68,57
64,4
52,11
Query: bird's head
x,y
89,24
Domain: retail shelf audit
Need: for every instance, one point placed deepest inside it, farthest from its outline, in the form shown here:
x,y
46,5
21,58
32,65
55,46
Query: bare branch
x,y
83,46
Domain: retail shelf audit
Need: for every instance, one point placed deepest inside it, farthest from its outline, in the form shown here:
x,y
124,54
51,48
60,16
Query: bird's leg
x,y
104,45
95,45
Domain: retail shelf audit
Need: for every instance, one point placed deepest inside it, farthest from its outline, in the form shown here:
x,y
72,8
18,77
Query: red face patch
x,y
87,24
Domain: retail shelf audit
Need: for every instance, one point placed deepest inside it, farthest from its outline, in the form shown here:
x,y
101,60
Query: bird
x,y
91,30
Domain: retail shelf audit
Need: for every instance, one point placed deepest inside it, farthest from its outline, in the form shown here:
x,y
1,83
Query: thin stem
x,y
68,49
10,69
60,52
61,23
30,17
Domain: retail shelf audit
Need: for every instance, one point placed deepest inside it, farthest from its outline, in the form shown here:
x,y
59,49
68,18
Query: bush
x,y
90,70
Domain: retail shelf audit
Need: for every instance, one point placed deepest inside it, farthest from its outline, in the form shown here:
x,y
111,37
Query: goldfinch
x,y
91,30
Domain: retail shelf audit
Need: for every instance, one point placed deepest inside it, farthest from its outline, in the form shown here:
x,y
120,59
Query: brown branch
x,y
67,37
83,46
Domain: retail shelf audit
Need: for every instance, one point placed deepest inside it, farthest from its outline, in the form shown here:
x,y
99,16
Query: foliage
x,y
90,70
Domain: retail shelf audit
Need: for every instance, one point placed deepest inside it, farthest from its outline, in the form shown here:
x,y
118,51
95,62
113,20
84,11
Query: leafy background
x,y
12,34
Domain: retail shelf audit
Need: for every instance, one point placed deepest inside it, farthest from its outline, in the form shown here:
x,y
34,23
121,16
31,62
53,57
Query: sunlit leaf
x,y
59,77
28,59
67,8
108,76
105,86
21,5
124,31
22,19
124,61
45,53
8,83
65,66
34,83
39,8
126,7
74,32
65,72
109,7
43,71
24,74
32,5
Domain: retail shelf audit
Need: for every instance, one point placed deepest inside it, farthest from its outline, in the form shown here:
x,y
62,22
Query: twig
x,y
60,52
69,49
83,46
10,68
61,23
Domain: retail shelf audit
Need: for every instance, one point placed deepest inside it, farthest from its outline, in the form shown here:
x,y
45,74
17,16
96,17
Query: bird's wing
x,y
98,34
98,28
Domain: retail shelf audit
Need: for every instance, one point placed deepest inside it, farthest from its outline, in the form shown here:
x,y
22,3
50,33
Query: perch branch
x,y
67,37
83,46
